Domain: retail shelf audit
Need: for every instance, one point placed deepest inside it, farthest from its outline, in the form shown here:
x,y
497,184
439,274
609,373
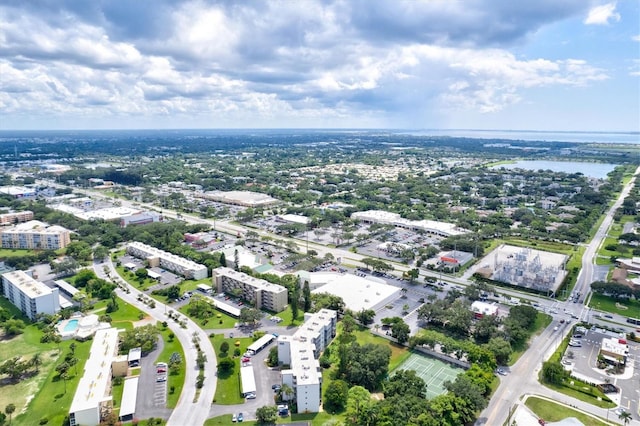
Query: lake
x,y
596,170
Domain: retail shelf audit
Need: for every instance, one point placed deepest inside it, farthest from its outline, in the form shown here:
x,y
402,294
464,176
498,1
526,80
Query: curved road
x,y
187,411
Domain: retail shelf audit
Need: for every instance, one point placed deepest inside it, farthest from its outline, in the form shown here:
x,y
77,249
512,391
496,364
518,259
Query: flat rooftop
x,y
28,285
357,292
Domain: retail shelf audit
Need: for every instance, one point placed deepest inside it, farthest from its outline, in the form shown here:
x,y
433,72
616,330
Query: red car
x,y
246,359
161,370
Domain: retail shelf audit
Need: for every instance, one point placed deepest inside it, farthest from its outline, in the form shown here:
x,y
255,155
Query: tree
x,y
13,327
464,388
226,365
625,416
272,358
404,383
236,260
501,349
145,337
223,259
286,392
400,331
335,396
267,414
306,294
367,365
294,303
553,372
250,315
10,409
224,347
100,252
366,316
359,402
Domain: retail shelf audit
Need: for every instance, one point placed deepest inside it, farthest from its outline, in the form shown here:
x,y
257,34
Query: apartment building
x,y
35,235
29,295
301,352
93,400
15,217
160,258
260,293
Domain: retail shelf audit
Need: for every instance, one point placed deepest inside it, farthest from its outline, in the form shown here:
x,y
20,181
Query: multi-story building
x,y
301,352
35,235
93,400
262,294
156,257
442,229
15,217
30,296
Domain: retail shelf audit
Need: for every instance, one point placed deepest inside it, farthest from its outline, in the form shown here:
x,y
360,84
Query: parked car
x,y
250,395
501,372
240,417
234,418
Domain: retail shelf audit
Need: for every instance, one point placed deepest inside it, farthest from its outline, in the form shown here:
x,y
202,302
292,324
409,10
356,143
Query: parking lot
x,y
583,363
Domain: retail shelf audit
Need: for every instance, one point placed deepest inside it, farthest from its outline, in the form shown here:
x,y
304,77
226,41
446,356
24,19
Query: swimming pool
x,y
72,325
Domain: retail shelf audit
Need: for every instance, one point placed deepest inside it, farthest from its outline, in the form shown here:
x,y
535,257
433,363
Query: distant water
x,y
601,137
596,170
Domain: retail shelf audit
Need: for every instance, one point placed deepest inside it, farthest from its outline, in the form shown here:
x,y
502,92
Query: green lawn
x,y
554,412
124,317
608,304
316,419
51,397
399,353
177,380
228,388
220,320
287,316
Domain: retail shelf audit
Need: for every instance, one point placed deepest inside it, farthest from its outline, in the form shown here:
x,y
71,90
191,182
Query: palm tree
x,y
36,361
287,391
9,409
625,416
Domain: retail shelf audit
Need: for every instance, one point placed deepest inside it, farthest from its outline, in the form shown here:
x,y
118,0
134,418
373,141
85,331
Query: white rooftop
x,y
294,218
28,285
357,292
93,386
385,217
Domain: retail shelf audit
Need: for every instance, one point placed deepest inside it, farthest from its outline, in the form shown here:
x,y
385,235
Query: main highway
x,y
523,376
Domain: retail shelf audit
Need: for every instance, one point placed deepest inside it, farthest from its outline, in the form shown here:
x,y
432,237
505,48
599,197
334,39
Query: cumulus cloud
x,y
602,15
276,61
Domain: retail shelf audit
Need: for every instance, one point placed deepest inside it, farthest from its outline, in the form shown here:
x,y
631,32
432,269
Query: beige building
x,y
262,294
160,258
35,235
15,217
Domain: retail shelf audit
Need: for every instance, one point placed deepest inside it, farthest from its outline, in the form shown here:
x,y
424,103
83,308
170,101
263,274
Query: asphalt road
x,y
188,410
523,378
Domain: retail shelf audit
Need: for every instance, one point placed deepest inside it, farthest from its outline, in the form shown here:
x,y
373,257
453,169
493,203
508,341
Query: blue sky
x,y
473,64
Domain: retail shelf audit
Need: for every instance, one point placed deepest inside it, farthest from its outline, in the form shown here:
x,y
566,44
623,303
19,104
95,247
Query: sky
x,y
571,65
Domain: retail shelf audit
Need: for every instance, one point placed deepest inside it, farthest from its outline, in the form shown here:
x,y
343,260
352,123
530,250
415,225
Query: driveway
x,y
152,396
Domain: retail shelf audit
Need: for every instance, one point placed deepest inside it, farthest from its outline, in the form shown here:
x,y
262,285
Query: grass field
x,y
228,388
554,412
433,371
608,304
177,380
220,320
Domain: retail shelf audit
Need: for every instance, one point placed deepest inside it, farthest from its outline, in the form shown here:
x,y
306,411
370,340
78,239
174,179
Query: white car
x,y
250,395
234,418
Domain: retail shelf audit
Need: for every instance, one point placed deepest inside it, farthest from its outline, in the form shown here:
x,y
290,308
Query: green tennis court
x,y
433,371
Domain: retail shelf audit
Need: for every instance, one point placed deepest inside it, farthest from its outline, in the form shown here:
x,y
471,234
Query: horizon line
x,y
324,129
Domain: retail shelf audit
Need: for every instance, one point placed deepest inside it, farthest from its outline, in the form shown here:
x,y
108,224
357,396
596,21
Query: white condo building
x,y
301,352
261,293
30,296
93,399
35,235
442,229
163,259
